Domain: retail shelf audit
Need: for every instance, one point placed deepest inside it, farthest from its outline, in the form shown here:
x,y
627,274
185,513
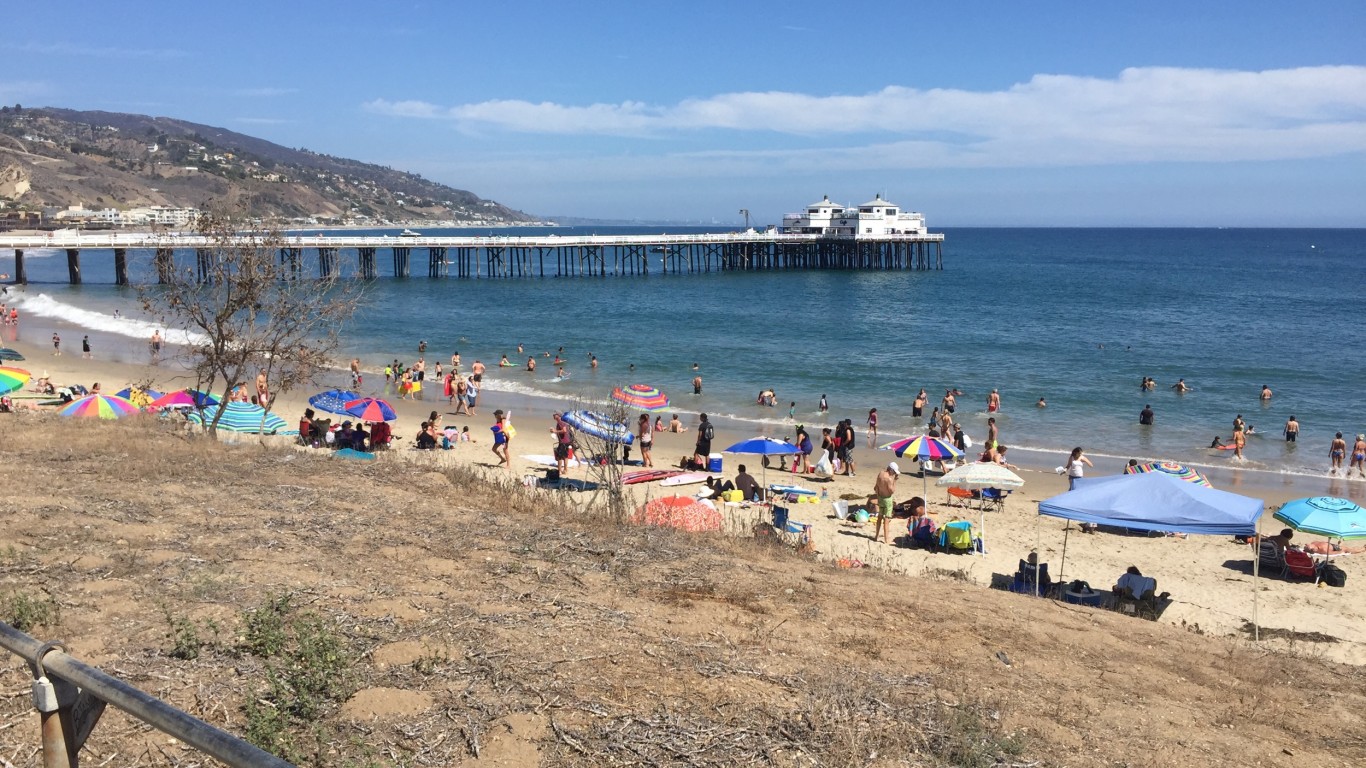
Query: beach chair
x,y
1146,604
922,532
1300,565
956,536
1272,560
959,497
1028,575
994,498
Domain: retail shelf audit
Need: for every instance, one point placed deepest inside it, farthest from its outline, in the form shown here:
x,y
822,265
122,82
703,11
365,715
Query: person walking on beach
x,y
872,427
1359,456
355,372
1239,440
884,488
645,436
1145,416
918,407
564,437
156,345
501,440
847,440
56,345
1075,467
705,433
1292,429
1336,452
85,347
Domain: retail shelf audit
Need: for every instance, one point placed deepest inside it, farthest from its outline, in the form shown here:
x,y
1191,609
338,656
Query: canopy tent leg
x,y
1062,567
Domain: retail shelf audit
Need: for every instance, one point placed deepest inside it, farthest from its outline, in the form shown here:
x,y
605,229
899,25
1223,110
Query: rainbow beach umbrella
x,y
184,398
641,396
371,409
1180,471
12,379
925,448
100,407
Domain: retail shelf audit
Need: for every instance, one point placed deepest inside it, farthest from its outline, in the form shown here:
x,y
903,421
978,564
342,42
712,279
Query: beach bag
x,y
1332,575
707,432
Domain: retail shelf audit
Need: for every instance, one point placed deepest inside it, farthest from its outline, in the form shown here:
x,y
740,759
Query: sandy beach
x,y
1209,578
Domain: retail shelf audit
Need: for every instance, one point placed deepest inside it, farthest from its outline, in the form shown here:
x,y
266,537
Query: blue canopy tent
x,y
1156,501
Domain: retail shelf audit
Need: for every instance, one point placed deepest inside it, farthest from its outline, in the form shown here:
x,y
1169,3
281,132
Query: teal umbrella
x,y
241,417
1325,515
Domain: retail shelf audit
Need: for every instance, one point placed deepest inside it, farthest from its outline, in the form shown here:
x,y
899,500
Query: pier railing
x,y
70,697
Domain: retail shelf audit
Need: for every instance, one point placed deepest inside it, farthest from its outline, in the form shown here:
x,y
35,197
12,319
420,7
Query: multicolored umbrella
x,y
184,398
600,426
371,409
12,378
1325,515
925,448
241,417
685,514
139,397
333,400
100,407
641,396
1172,468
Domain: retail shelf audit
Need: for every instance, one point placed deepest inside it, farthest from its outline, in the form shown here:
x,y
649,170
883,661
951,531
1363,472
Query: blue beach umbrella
x,y
333,400
763,446
241,417
1325,515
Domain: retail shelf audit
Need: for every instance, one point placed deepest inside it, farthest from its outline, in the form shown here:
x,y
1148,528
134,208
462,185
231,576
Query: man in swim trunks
x,y
949,402
991,432
1266,392
1180,387
884,487
993,402
918,407
477,369
1145,416
697,385
1292,429
1336,453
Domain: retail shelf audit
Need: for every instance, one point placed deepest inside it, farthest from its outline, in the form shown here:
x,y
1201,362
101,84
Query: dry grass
x,y
483,619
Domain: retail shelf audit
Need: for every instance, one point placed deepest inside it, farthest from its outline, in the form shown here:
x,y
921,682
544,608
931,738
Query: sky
x,y
1015,113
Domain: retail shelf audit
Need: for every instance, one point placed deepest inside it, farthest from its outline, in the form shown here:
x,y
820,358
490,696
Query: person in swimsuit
x,y
1336,453
1239,441
504,362
949,402
918,407
872,426
993,402
501,440
531,363
1181,387
1041,404
1292,429
646,439
1266,392
1359,455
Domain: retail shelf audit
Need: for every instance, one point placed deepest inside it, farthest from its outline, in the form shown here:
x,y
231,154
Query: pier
x,y
493,257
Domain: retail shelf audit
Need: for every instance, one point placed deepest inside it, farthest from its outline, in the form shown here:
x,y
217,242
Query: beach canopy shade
x,y
1325,515
241,417
184,398
371,409
600,426
333,400
979,475
763,446
139,397
100,407
10,354
642,397
686,514
924,447
1170,467
12,378
1156,501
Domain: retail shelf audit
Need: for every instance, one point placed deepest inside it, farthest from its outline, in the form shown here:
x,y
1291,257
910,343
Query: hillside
x,y
386,613
61,157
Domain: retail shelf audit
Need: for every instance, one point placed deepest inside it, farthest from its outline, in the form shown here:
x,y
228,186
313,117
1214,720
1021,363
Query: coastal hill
x,y
60,157
410,612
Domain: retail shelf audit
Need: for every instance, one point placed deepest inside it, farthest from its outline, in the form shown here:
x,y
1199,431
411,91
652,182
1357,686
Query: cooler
x,y
714,462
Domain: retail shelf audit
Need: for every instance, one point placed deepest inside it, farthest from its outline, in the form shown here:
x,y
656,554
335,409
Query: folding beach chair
x,y
1271,557
959,497
956,536
994,498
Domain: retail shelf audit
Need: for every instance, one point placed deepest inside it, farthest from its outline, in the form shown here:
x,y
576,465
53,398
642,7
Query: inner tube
x,y
600,426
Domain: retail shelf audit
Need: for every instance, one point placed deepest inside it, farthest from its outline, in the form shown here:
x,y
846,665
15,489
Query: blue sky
x,y
989,113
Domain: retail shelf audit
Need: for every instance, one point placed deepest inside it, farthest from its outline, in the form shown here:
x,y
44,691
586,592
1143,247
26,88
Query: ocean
x,y
1076,316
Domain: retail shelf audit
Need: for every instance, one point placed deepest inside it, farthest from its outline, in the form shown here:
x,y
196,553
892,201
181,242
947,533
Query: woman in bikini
x,y
1336,452
1359,455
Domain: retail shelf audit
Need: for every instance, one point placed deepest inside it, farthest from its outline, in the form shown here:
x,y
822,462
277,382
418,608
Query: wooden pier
x,y
516,257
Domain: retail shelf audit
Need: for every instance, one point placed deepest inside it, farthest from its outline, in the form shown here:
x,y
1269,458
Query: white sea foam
x,y
43,305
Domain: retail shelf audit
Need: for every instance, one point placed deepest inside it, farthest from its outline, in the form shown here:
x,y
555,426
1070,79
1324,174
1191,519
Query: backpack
x,y
707,431
1332,575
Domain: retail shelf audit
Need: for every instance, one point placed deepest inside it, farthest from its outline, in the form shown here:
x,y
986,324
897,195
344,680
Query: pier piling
x,y
73,265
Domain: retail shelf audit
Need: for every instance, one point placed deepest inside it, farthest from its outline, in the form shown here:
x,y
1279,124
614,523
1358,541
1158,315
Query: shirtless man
x,y
884,487
477,369
1266,392
993,402
991,432
1181,387
918,407
355,372
1292,429
949,402
697,385
1336,452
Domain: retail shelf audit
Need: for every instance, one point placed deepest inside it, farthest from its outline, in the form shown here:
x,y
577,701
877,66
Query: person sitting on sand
x,y
1133,582
426,440
746,484
659,424
718,487
675,425
922,528
306,435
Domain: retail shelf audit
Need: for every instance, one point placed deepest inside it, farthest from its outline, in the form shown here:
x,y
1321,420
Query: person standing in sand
x,y
872,427
1336,452
646,438
564,437
56,345
262,390
85,347
355,372
1292,429
1075,467
884,488
991,432
501,439
705,433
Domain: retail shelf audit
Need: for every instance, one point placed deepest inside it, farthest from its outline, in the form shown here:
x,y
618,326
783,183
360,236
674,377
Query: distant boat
x,y
409,233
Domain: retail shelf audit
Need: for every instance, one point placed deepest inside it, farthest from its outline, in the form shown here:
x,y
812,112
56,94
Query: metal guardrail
x,y
70,696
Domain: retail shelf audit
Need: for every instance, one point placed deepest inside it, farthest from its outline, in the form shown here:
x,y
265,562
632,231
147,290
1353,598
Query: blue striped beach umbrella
x,y
241,417
333,400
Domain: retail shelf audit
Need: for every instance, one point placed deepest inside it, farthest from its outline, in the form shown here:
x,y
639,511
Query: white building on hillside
x,y
875,218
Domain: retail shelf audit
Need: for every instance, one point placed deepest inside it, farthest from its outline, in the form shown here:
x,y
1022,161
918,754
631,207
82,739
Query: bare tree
x,y
602,456
248,309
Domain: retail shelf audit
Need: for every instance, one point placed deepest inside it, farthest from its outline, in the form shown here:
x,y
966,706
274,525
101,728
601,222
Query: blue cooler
x,y
714,462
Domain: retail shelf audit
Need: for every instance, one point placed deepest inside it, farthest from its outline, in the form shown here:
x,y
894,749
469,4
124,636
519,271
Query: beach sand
x,y
1209,578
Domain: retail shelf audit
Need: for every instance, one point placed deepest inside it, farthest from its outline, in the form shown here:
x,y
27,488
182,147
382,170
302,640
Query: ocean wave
x,y
43,305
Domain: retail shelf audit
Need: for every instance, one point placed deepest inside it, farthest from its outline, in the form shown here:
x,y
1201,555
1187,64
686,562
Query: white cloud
x,y
1142,115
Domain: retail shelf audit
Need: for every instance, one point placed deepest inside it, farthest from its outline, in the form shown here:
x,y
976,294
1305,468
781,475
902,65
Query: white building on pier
x,y
873,219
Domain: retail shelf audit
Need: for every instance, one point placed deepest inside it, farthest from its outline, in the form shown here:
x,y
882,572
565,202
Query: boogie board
x,y
686,478
648,476
793,490
507,365
546,460
558,379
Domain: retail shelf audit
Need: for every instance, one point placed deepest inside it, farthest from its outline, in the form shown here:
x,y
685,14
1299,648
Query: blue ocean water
x,y
1077,316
